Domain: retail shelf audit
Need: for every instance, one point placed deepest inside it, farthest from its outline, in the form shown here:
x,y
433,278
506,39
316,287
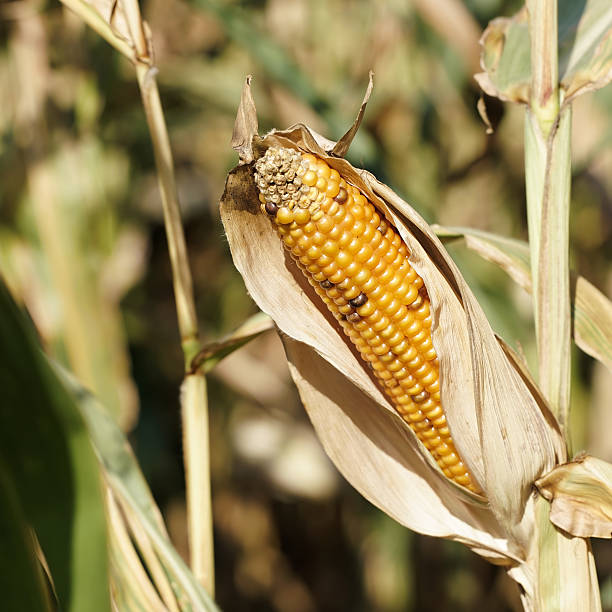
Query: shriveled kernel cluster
x,y
358,265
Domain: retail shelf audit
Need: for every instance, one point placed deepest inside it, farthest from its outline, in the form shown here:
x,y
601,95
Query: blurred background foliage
x,y
82,246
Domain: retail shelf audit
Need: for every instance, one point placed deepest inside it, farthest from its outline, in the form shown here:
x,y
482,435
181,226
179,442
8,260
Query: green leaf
x,y
565,568
47,454
585,51
21,580
129,485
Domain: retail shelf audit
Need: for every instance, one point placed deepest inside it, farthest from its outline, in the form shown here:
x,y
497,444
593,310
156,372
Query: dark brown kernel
x,y
419,398
342,196
383,226
326,284
423,292
271,208
353,317
360,300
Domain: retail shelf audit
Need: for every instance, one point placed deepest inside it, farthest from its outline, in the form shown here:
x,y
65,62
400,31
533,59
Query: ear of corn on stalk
x,y
500,425
358,265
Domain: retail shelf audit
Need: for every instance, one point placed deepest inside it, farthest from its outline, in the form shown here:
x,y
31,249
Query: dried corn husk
x,y
499,423
580,493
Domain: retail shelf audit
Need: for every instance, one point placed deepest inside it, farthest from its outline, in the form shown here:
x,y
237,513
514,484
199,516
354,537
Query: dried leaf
x,y
513,445
509,254
245,127
109,19
505,58
566,578
370,447
342,146
580,493
593,322
592,309
211,354
585,52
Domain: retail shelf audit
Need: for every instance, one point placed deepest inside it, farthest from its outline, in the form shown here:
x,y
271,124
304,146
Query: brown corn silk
x,y
358,265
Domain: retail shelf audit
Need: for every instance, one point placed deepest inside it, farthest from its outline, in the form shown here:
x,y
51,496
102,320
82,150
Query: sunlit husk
x,y
580,493
559,573
495,420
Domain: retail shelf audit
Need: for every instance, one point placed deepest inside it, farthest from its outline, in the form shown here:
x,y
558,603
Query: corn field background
x,y
83,248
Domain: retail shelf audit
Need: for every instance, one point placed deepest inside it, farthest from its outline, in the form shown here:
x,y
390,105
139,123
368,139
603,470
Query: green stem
x,y
193,399
194,412
565,577
548,182
544,63
564,569
548,178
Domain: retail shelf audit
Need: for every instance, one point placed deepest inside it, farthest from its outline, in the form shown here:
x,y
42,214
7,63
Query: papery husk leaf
x,y
369,446
246,124
580,493
495,421
280,290
585,52
514,439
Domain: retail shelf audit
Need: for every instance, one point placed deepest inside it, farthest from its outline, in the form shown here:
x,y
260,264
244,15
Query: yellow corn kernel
x,y
358,264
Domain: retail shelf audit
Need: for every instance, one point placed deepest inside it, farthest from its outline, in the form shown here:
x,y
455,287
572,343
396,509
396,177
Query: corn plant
x,y
465,400
428,413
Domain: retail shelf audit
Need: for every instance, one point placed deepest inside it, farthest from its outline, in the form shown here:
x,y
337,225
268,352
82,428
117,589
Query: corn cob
x,y
358,265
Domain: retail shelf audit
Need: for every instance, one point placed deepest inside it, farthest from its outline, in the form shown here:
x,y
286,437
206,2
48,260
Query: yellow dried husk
x,y
499,423
580,493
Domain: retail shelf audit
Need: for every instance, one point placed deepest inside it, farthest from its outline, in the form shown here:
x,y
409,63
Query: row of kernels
x,y
382,348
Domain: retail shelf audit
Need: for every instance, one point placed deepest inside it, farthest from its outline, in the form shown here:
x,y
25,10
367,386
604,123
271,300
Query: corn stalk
x,y
123,28
565,575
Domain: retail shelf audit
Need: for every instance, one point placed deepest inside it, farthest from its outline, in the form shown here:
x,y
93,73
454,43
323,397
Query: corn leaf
x,y
132,584
585,51
214,352
525,438
129,486
593,322
108,19
565,567
371,448
509,254
580,493
21,579
592,310
48,456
